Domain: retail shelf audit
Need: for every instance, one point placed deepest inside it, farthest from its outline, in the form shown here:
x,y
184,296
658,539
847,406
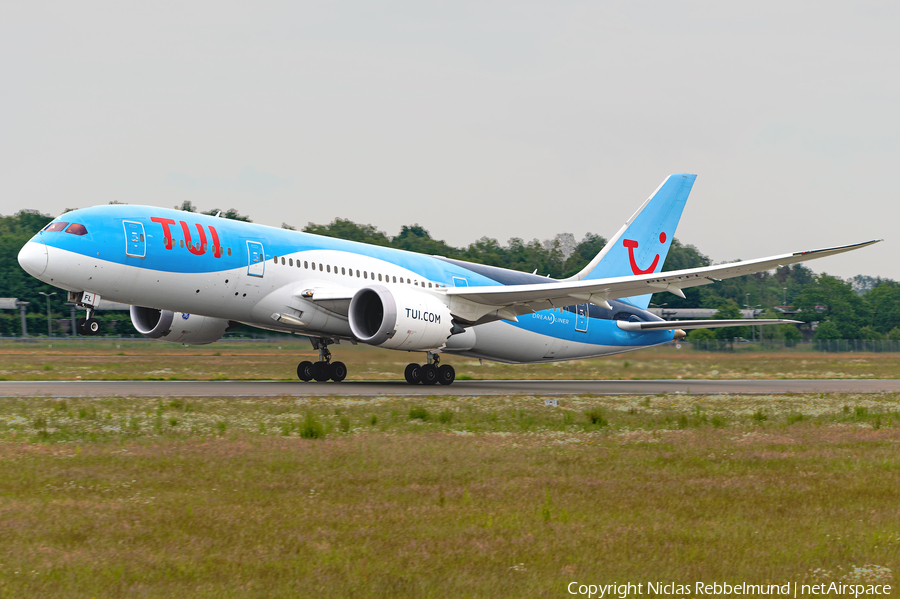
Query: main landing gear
x,y
324,369
430,373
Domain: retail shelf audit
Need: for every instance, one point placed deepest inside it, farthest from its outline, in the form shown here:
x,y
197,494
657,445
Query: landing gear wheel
x,y
320,371
429,374
79,326
412,373
304,371
446,374
337,371
92,326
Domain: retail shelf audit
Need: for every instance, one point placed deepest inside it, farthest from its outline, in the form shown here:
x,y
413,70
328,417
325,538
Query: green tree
x,y
827,330
15,231
829,298
415,238
345,229
868,332
696,335
584,252
884,303
730,311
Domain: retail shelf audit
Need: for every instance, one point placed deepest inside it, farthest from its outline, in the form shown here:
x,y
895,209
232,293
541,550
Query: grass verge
x,y
122,497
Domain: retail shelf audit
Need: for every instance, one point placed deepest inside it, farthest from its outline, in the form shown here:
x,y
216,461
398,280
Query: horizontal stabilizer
x,y
656,325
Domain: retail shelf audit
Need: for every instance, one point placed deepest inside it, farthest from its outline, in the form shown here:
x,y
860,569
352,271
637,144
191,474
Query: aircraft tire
x,y
337,371
320,371
446,374
304,371
79,326
412,373
428,374
92,326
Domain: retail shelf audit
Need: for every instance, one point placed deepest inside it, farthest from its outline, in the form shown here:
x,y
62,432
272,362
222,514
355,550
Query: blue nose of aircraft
x,y
33,258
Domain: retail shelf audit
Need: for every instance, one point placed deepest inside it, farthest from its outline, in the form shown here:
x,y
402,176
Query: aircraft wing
x,y
473,303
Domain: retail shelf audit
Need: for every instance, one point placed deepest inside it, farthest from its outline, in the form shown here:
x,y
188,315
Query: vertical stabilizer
x,y
641,245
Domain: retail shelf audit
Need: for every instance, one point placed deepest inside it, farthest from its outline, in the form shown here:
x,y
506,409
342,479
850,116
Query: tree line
x,y
861,308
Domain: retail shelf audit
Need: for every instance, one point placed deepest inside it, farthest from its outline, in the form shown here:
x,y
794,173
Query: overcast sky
x,y
500,119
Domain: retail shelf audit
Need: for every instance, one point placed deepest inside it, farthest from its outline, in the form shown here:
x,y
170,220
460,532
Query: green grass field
x,y
472,497
122,360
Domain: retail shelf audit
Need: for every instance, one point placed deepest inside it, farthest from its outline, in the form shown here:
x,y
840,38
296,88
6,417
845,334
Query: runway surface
x,y
460,388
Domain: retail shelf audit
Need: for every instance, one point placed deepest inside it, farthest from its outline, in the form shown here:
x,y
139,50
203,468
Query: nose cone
x,y
33,258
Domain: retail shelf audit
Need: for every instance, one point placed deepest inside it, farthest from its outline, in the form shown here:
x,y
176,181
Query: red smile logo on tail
x,y
632,245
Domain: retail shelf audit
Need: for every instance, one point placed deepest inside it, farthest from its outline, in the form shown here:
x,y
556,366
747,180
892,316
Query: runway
x,y
459,388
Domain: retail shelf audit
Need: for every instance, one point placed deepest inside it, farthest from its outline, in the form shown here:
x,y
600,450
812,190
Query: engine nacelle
x,y
399,318
177,327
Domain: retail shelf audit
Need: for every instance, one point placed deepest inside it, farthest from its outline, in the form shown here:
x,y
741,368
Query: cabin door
x,y
581,318
256,256
135,242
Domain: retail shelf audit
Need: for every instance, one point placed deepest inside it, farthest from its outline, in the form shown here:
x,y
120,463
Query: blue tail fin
x,y
641,245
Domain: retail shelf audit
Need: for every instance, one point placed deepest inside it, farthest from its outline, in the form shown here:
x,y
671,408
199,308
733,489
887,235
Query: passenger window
x,y
365,275
181,242
290,261
343,270
373,276
357,274
305,264
313,265
76,229
229,251
401,279
328,268
57,226
379,276
395,279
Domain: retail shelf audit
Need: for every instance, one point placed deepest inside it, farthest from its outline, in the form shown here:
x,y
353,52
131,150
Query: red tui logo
x,y
198,249
632,245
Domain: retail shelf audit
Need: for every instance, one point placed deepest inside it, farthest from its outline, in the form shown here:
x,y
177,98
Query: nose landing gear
x,y
324,369
87,325
430,373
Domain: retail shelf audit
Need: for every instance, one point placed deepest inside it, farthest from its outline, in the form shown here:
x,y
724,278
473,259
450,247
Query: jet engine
x,y
178,327
399,318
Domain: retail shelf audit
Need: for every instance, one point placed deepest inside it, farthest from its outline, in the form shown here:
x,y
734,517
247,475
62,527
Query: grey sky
x,y
503,119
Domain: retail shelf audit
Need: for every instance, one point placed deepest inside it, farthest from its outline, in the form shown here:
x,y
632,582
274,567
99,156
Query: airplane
x,y
190,278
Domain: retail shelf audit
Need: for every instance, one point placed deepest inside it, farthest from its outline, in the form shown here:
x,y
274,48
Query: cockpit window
x,y
76,229
57,226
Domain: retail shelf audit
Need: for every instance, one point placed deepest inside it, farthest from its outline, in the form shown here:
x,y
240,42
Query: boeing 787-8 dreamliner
x,y
189,278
